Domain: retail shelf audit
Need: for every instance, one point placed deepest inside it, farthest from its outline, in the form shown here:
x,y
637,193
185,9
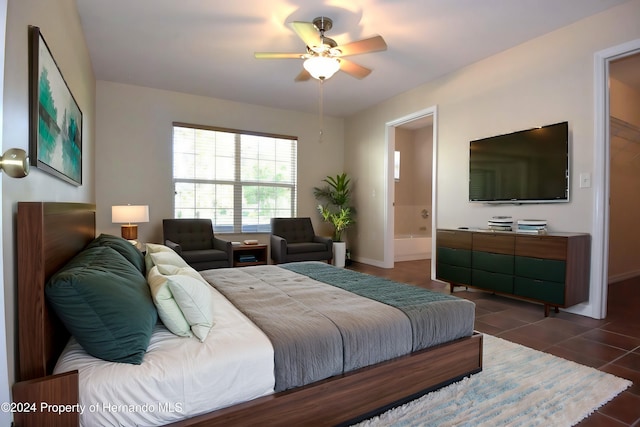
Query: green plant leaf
x,y
336,195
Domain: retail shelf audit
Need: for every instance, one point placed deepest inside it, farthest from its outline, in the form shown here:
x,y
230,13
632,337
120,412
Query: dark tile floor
x,y
611,345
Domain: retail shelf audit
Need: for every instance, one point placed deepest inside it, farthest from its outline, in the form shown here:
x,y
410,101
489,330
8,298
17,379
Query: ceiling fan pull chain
x,y
321,120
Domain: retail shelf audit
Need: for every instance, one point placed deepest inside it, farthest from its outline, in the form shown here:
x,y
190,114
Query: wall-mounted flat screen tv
x,y
530,166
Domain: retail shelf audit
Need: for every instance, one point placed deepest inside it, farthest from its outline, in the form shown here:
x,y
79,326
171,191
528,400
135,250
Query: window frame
x,y
237,183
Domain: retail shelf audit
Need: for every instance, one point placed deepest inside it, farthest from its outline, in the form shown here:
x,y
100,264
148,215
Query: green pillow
x,y
123,247
105,303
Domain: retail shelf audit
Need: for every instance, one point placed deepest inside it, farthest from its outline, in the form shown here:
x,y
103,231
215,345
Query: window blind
x,y
240,180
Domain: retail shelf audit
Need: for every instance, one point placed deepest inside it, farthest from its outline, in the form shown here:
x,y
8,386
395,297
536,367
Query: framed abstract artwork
x,y
55,120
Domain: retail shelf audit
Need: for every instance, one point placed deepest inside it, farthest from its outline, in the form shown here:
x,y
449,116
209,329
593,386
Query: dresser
x,y
552,269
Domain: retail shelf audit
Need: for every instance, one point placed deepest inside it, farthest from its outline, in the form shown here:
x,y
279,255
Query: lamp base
x,y
129,232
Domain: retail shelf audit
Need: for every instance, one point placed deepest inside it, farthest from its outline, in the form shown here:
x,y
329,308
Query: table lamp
x,y
129,215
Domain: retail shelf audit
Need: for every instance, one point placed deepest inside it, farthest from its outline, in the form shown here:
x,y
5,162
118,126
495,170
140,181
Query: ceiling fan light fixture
x,y
322,67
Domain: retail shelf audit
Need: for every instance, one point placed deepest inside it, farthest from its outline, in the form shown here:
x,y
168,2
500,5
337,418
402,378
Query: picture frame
x,y
55,119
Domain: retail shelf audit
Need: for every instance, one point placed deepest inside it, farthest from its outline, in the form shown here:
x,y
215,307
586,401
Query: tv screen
x,y
530,166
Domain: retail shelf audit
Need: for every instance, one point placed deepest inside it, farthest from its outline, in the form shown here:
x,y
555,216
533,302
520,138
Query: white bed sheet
x,y
179,377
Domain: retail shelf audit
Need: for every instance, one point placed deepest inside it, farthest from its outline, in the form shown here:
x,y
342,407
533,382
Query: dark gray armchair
x,y
194,241
293,239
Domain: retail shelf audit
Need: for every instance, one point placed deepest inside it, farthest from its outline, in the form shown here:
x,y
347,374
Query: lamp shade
x,y
129,214
321,67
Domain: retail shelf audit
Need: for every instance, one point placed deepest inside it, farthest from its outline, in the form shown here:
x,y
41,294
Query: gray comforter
x,y
435,317
317,330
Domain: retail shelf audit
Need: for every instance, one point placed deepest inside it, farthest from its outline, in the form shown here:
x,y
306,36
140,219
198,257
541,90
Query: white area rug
x,y
518,386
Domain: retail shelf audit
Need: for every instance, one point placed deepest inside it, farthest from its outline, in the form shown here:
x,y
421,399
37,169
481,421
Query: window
x,y
238,179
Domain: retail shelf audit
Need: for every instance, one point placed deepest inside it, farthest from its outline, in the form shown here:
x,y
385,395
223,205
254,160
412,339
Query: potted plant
x,y
335,209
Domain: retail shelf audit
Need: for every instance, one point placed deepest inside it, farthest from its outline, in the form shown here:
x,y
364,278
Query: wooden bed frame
x,y
49,234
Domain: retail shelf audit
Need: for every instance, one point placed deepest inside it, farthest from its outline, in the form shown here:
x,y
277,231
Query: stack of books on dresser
x,y
501,223
532,226
247,258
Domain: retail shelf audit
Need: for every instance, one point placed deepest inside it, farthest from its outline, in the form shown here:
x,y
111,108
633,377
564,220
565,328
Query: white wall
x,y
60,25
543,81
133,155
624,102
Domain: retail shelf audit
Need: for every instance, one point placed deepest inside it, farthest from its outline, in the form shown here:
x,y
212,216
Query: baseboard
x,y
412,257
368,261
380,264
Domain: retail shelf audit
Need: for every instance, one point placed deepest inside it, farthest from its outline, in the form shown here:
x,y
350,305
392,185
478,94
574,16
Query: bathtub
x,y
410,247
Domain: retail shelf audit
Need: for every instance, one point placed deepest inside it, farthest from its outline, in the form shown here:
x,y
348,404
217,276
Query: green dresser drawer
x,y
542,269
550,292
453,273
452,256
497,263
493,281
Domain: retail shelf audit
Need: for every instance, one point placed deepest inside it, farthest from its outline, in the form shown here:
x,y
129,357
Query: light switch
x,y
585,180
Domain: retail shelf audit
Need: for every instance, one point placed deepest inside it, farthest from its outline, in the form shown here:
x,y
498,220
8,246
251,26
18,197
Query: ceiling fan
x,y
324,57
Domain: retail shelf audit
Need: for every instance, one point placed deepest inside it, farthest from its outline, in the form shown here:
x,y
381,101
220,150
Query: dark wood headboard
x,y
48,235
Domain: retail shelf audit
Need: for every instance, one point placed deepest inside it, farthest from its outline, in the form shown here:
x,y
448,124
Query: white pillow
x,y
168,258
167,307
194,299
173,270
152,248
155,247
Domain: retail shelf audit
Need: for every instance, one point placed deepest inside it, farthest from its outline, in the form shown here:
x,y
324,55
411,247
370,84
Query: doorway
x,y
414,203
624,168
602,172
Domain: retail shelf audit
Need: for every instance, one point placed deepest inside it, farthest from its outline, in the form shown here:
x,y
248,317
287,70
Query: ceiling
x,y
206,47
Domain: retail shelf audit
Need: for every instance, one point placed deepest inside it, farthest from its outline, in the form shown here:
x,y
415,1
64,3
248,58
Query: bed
x,y
50,234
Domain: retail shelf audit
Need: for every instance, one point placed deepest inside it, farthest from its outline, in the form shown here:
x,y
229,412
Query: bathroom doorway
x,y
410,187
624,168
412,190
601,232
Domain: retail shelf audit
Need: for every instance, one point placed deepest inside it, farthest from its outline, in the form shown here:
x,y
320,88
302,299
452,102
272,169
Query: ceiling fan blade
x,y
303,76
353,69
307,32
278,55
372,44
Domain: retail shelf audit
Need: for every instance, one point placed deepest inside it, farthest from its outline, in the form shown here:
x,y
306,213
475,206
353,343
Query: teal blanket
x,y
435,317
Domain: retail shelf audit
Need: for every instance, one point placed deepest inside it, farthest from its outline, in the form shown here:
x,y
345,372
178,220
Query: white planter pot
x,y
339,253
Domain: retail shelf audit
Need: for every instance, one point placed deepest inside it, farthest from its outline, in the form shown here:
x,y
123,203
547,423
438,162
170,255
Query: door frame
x,y
389,216
600,231
5,395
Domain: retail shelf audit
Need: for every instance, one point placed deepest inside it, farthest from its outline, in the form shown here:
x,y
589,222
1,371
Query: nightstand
x,y
244,255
